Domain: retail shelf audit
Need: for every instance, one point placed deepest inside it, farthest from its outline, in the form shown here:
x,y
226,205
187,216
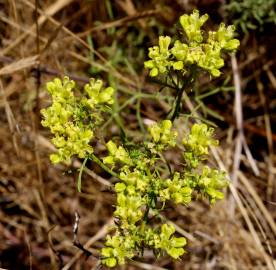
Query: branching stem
x,y
186,84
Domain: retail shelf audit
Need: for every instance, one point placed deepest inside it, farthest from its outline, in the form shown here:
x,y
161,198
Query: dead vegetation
x,y
44,39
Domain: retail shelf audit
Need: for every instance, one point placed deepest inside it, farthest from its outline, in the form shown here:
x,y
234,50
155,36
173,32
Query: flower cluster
x,y
208,181
195,51
71,118
162,135
197,143
121,246
142,192
146,180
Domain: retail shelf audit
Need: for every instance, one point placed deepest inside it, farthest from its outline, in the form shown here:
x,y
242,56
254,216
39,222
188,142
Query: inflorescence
x,y
195,50
146,180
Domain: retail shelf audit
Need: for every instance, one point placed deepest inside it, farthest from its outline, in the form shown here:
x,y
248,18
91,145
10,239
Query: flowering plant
x,y
146,181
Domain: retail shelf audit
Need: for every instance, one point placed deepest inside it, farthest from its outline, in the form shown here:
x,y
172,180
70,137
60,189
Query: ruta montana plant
x,y
146,180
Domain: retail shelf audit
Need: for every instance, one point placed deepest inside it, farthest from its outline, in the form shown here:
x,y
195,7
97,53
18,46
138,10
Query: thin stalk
x,y
186,84
103,166
177,104
138,115
80,175
163,83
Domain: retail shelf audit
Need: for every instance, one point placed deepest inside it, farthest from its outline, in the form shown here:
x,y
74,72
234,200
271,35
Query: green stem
x,y
138,115
80,174
162,83
177,104
187,83
103,166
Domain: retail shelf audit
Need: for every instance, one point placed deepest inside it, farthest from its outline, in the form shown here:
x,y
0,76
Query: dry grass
x,y
38,200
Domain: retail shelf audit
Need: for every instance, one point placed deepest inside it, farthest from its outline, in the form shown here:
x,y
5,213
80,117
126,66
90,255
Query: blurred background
x,y
41,40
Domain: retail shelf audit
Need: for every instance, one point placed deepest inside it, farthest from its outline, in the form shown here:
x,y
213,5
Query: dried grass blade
x,y
19,65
